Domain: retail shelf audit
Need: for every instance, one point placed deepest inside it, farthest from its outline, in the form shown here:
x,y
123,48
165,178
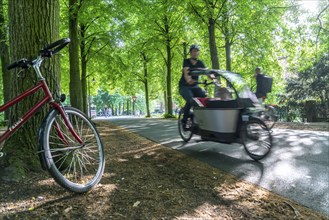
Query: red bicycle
x,y
70,147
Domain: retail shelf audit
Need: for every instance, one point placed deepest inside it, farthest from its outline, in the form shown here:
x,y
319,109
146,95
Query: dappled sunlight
x,y
142,150
293,168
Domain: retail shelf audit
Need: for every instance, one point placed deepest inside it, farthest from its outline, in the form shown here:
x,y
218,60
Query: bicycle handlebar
x,y
23,63
48,51
204,83
58,45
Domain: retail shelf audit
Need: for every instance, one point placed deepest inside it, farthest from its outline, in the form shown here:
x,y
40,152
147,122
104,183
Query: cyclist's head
x,y
257,70
194,47
194,51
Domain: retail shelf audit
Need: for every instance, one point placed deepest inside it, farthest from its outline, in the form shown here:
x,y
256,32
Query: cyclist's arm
x,y
188,78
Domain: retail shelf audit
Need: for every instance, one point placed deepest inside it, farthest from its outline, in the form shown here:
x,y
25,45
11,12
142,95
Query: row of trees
x,y
136,47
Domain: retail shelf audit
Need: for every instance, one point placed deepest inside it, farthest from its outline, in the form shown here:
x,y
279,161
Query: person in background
x,y
259,86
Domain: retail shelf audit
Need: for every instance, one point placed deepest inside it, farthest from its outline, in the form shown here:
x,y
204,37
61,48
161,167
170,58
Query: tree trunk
x,y
32,23
128,109
146,85
4,53
212,44
185,50
165,101
169,58
75,83
228,53
83,70
123,108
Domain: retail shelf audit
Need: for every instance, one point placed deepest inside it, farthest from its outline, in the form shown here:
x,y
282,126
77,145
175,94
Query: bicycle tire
x,y
76,168
185,135
256,138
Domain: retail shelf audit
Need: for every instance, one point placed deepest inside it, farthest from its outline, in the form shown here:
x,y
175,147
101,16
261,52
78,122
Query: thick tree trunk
x,y
75,83
212,44
4,54
32,23
84,69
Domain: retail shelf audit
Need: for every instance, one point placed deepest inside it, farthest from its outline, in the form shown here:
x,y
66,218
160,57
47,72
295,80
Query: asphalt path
x,y
297,166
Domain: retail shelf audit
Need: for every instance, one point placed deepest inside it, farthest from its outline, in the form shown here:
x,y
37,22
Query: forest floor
x,y
145,180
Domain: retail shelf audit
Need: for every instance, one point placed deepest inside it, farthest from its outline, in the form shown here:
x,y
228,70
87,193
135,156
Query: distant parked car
x,y
157,111
93,113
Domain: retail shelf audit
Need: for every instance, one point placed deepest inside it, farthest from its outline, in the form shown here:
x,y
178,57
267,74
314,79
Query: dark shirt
x,y
187,63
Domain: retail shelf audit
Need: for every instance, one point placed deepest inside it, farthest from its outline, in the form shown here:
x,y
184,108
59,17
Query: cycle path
x,y
297,166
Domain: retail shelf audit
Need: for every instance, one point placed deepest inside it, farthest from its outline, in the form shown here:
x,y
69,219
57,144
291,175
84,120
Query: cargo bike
x,y
228,118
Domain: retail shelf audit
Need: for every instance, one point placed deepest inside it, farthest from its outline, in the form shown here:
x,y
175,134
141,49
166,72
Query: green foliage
x,y
278,36
311,84
169,116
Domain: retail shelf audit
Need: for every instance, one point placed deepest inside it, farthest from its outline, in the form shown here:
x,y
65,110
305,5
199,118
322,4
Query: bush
x,y
169,116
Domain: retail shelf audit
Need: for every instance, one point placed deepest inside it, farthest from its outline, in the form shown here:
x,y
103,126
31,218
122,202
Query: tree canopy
x,y
136,48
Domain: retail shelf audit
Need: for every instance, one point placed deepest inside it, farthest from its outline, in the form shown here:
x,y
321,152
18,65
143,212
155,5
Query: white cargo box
x,y
217,119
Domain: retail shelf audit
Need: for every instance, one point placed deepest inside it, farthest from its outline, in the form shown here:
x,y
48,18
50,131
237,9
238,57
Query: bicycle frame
x,y
41,85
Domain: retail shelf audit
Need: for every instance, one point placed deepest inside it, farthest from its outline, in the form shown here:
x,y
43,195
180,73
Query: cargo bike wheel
x,y
256,138
185,132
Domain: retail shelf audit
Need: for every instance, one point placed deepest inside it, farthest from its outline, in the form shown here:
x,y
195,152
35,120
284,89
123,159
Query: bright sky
x,y
310,5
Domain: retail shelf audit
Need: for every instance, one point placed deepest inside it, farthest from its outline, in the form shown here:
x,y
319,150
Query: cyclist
x,y
187,84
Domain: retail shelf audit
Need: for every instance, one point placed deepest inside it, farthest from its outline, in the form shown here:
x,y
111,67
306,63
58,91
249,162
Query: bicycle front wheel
x,y
76,167
185,131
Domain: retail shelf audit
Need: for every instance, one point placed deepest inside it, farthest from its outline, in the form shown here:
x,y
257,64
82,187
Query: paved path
x,y
297,167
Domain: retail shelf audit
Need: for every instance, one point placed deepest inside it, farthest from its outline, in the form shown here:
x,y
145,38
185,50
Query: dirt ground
x,y
144,180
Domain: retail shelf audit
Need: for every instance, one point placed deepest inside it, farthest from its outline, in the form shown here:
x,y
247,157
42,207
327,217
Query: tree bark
x,y
185,50
169,59
83,69
75,83
4,53
32,24
228,54
212,44
146,85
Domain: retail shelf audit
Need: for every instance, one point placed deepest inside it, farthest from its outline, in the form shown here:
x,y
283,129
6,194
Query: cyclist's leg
x,y
187,94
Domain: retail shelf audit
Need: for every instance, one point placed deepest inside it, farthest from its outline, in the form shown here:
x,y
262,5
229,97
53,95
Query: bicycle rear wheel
x,y
256,138
185,133
76,167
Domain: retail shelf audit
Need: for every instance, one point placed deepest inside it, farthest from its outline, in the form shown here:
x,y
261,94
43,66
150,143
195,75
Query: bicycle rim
x,y
74,166
257,139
